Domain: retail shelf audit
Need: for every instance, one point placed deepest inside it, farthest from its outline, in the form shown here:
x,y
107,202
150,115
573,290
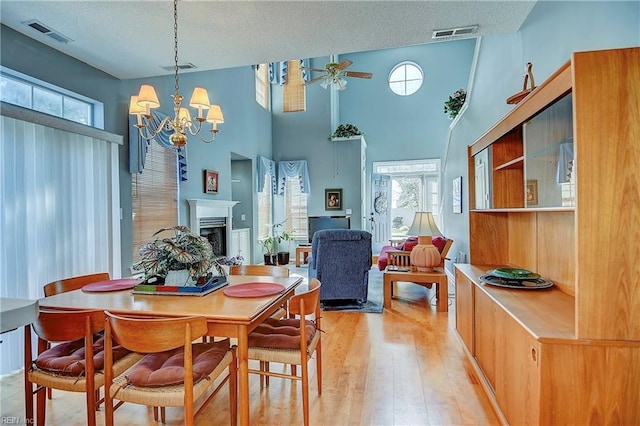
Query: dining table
x,y
227,316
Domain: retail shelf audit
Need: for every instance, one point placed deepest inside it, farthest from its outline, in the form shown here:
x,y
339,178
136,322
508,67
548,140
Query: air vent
x,y
49,32
454,32
181,67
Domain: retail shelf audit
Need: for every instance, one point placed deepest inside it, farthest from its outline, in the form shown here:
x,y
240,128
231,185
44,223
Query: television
x,y
318,223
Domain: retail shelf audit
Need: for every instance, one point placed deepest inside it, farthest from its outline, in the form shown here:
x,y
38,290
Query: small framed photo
x,y
210,182
333,199
457,194
531,192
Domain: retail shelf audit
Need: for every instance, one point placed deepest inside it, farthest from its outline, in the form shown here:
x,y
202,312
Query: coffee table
x,y
437,277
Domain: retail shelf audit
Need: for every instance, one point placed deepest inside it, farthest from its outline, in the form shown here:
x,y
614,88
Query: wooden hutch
x,y
555,189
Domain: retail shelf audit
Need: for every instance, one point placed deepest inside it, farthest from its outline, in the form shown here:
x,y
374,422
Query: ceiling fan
x,y
335,73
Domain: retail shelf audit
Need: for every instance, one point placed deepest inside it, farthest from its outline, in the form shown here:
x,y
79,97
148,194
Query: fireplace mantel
x,y
199,208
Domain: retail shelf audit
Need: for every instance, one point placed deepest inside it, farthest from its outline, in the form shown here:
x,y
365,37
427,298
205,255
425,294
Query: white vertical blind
x,y
59,216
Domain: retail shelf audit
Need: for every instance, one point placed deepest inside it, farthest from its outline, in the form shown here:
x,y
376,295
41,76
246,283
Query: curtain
x,y
138,145
60,214
278,71
292,169
266,166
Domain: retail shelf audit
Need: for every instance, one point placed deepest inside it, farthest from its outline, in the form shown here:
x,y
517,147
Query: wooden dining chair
x,y
69,284
74,364
73,283
292,341
174,372
267,270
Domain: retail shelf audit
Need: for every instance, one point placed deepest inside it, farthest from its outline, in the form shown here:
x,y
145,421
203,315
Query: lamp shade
x,y
424,225
199,98
134,107
184,115
147,97
214,115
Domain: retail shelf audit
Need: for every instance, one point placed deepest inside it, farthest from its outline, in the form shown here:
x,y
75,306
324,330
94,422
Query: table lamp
x,y
425,255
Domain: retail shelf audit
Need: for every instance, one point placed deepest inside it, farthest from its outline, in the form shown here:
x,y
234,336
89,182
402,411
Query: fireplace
x,y
212,219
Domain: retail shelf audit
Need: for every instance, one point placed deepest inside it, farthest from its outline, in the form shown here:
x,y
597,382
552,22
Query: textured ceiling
x,y
132,39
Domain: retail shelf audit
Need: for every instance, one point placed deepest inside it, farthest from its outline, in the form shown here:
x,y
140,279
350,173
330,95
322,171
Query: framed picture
x,y
531,192
210,182
457,194
333,199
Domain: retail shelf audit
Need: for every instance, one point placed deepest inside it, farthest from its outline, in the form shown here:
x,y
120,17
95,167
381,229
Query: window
x,y
37,95
265,200
294,91
415,186
406,78
296,209
263,87
155,195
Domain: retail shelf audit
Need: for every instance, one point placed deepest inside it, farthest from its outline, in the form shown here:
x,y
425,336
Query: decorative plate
x,y
253,289
513,273
112,285
524,284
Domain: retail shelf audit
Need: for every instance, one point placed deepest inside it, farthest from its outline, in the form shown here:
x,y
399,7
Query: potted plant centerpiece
x,y
181,259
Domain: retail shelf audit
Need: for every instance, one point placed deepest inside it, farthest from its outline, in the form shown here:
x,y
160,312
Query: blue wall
x,y
396,127
551,32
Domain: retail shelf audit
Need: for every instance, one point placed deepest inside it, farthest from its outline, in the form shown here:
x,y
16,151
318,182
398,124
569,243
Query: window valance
x,y
292,169
266,166
138,146
278,71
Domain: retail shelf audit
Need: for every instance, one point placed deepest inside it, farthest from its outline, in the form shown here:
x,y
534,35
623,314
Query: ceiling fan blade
x,y
314,80
314,69
358,74
344,63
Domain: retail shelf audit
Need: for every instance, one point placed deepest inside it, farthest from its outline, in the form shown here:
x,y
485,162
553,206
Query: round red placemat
x,y
253,289
112,285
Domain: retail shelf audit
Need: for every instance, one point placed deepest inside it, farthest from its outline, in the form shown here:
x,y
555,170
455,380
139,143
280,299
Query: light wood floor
x,y
403,367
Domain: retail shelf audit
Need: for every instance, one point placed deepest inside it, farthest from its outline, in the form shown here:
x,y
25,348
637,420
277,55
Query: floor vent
x,y
43,29
454,32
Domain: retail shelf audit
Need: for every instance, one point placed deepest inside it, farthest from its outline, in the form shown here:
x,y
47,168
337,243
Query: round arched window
x,y
405,78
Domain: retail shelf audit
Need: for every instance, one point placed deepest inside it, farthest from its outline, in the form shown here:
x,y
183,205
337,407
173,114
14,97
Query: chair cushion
x,y
280,334
67,358
409,244
167,368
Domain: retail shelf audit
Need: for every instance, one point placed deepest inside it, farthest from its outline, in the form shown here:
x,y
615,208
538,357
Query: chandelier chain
x,y
175,41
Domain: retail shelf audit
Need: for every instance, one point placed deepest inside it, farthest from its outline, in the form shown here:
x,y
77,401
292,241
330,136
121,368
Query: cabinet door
x,y
485,336
518,379
464,310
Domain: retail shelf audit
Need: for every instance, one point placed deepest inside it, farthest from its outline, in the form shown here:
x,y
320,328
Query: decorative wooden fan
x,y
334,74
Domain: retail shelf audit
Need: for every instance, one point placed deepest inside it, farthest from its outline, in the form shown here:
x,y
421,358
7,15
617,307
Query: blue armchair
x,y
341,259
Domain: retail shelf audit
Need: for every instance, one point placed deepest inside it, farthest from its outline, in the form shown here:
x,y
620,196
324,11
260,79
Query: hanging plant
x,y
455,102
346,131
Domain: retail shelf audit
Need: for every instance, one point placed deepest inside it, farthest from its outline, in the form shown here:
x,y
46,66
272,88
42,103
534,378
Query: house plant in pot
x,y
268,244
181,259
284,239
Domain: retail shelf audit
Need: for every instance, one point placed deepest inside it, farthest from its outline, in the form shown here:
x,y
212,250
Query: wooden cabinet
x,y
543,356
241,243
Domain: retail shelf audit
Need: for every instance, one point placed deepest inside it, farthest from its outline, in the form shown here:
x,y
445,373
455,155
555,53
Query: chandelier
x,y
181,123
